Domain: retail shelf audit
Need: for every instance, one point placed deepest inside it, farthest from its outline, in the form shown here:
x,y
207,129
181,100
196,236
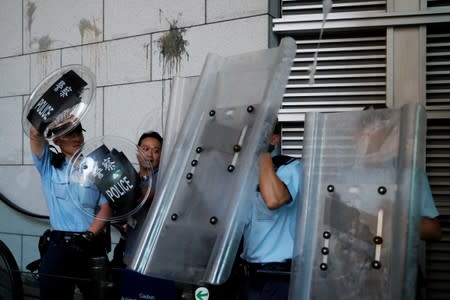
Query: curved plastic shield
x,y
358,227
180,100
181,94
59,102
111,166
194,227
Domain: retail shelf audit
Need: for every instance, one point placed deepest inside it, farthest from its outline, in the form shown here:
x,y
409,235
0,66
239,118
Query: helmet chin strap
x,y
57,158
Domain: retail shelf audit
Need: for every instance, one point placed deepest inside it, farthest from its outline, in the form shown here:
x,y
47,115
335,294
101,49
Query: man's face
x,y
151,149
70,143
275,139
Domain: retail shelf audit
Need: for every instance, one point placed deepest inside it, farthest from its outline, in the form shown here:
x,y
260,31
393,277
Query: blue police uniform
x,y
269,234
269,239
71,213
66,213
429,209
384,174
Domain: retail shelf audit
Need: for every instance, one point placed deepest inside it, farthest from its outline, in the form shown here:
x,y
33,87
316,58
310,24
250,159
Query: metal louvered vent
x,y
292,139
436,3
350,71
438,162
341,70
438,152
438,67
349,74
438,170
298,7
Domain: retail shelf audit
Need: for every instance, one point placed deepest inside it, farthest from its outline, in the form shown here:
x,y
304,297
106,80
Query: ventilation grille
x,y
437,3
298,7
349,74
438,170
438,162
292,139
438,67
438,152
349,71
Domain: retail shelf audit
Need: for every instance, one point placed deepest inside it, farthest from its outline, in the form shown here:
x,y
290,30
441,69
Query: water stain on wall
x,y
44,42
94,56
31,8
91,54
43,59
88,30
172,46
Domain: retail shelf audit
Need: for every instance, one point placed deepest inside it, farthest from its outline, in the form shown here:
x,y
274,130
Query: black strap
x,y
272,266
267,269
57,235
56,158
280,160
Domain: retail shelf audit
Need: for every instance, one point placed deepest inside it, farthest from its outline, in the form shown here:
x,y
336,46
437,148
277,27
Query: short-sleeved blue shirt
x,y
72,210
429,209
269,234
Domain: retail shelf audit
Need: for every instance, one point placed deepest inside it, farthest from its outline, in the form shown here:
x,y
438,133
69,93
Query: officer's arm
x,y
37,142
99,222
430,229
272,189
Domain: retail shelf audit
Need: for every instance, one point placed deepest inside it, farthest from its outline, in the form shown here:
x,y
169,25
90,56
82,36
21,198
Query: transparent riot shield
x,y
180,100
109,165
358,228
60,101
194,227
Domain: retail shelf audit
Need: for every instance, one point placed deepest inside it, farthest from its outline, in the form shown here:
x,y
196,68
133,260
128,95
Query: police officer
x,y
76,234
269,232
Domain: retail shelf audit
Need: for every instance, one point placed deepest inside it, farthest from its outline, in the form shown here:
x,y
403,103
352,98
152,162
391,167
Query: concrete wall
x,y
119,41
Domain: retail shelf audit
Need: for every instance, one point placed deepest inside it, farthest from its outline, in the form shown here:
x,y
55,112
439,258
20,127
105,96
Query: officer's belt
x,y
57,235
281,268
